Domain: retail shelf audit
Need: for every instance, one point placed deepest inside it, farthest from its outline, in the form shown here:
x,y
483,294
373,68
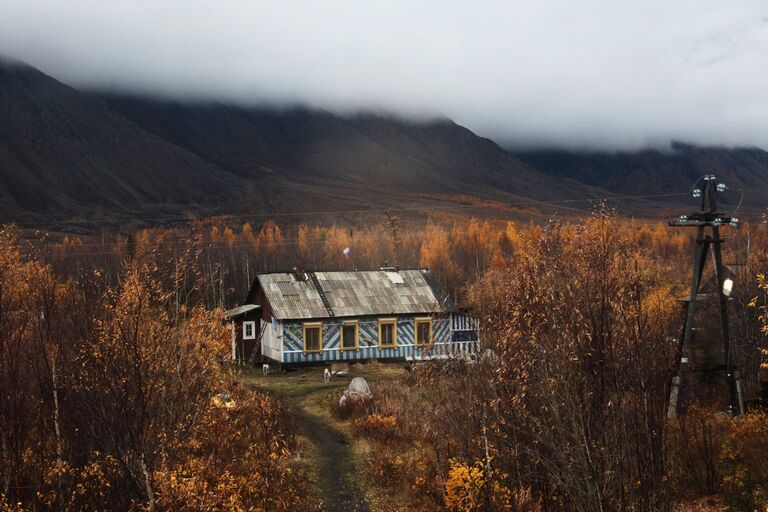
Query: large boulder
x,y
357,392
359,386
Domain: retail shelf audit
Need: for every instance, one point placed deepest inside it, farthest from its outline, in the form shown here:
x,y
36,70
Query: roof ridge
x,y
325,271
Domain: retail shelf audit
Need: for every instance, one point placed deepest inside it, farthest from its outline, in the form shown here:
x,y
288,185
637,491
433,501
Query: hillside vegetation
x,y
117,392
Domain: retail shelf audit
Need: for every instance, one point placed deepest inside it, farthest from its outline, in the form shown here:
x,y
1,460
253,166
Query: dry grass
x,y
707,504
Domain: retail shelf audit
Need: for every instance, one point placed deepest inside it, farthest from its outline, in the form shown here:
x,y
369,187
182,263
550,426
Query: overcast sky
x,y
598,74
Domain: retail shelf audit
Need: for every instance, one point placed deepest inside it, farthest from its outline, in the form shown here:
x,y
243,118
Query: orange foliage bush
x,y
108,396
465,487
10,507
407,473
581,356
377,426
744,458
477,487
237,460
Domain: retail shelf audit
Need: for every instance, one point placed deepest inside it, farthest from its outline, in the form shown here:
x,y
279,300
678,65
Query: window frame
x,y
252,324
416,323
348,323
312,325
393,323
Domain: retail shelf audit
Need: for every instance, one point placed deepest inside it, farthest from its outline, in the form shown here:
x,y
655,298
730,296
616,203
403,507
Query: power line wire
x,y
287,241
224,245
240,245
533,202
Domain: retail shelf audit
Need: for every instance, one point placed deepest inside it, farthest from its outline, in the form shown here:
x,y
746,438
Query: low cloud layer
x,y
595,74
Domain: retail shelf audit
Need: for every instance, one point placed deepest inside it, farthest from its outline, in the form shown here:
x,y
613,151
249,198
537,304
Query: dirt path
x,y
330,457
336,474
328,450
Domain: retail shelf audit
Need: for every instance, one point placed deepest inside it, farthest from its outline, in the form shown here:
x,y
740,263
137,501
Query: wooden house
x,y
244,322
305,318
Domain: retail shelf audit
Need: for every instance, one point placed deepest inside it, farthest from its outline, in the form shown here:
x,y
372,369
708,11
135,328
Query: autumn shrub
x,y
694,442
705,504
386,467
376,426
466,487
744,458
405,472
221,476
423,477
350,409
109,393
523,500
5,506
426,373
414,427
582,346
399,459
477,487
95,485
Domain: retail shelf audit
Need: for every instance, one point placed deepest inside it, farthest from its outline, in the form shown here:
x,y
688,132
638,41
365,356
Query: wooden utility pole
x,y
391,221
707,222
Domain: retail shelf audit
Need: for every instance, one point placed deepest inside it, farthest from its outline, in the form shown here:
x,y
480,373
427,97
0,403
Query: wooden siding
x,y
243,347
271,345
293,342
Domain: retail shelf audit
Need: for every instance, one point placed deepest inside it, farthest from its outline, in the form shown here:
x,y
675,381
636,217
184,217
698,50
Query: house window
x,y
249,330
313,337
388,332
350,334
423,331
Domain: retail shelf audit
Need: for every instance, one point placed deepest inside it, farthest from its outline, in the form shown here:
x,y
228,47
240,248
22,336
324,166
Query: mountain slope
x,y
661,172
63,151
66,153
362,150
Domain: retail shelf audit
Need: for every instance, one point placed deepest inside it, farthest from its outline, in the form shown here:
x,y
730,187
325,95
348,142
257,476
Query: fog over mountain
x,y
591,74
65,153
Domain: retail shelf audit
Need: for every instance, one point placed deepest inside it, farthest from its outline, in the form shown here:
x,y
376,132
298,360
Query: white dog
x,y
265,369
326,375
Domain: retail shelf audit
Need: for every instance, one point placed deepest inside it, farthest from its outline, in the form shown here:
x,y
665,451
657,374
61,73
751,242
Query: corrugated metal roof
x,y
240,310
355,293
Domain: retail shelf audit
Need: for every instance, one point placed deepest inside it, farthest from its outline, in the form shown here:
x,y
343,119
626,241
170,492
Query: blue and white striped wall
x,y
465,328
444,335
